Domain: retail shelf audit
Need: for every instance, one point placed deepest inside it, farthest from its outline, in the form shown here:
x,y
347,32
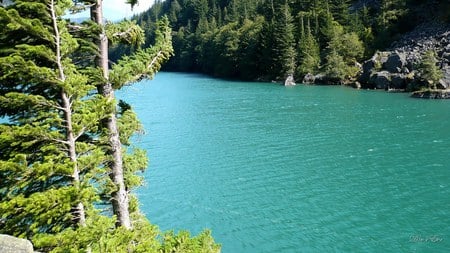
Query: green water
x,y
302,169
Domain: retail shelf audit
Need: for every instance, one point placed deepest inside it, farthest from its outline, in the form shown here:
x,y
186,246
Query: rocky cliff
x,y
397,67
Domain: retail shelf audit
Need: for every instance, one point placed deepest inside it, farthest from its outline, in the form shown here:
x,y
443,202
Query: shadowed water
x,y
302,169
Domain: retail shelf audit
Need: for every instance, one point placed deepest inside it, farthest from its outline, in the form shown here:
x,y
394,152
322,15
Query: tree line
x,y
271,39
67,165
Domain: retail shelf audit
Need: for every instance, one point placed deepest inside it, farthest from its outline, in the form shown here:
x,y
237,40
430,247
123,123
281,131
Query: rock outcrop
x,y
432,94
289,81
396,68
309,79
11,244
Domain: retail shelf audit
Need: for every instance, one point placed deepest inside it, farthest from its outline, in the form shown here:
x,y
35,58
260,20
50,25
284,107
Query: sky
x,y
118,9
115,10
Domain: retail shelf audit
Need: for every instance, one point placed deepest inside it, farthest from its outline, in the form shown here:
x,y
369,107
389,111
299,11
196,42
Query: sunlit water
x,y
305,169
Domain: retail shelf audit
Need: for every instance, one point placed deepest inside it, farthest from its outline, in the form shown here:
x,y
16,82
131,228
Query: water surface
x,y
303,169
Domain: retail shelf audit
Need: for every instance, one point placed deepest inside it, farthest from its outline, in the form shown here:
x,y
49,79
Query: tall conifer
x,y
49,160
284,53
143,63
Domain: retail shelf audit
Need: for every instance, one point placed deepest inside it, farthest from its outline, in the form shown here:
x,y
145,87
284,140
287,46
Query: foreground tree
x,y
142,64
49,160
53,153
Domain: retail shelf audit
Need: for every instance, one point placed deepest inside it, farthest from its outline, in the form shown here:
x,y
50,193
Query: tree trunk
x,y
79,211
120,201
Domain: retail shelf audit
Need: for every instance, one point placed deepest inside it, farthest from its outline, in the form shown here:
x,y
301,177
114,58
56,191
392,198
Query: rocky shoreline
x,y
396,69
432,94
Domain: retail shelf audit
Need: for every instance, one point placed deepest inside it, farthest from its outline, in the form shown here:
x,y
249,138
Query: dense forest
x,y
271,39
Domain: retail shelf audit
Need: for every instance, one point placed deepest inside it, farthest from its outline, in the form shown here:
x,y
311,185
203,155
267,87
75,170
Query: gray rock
x,y
381,80
11,244
367,68
395,62
432,94
383,58
309,78
444,83
398,81
320,78
446,56
289,81
356,85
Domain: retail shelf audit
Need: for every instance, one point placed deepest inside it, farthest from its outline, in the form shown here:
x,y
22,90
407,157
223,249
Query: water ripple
x,y
308,169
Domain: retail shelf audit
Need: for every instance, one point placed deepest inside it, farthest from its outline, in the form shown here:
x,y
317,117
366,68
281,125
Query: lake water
x,y
295,169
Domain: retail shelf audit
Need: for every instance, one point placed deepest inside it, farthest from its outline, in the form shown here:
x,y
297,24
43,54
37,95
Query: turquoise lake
x,y
294,169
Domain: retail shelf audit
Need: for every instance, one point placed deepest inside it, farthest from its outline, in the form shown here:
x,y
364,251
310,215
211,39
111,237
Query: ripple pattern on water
x,y
303,169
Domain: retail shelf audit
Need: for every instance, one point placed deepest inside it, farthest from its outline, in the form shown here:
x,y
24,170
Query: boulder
x,y
367,68
395,62
11,244
444,83
356,85
289,81
398,81
309,78
320,79
446,56
381,80
432,94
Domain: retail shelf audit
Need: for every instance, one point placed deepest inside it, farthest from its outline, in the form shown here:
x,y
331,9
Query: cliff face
x,y
398,67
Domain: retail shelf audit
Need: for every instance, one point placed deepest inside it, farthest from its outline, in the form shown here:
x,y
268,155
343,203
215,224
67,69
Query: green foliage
x,y
47,170
349,46
308,51
429,70
53,160
100,236
183,242
277,37
335,67
344,49
125,32
144,63
284,47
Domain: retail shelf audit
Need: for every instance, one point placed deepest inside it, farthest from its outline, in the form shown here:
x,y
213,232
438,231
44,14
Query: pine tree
x,y
144,63
429,70
284,53
52,169
343,50
340,10
308,50
335,67
49,161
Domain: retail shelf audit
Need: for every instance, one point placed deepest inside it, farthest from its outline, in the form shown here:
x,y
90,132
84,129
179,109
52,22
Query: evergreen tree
x,y
308,50
144,63
335,67
49,162
52,160
250,47
429,70
284,54
343,50
388,20
340,10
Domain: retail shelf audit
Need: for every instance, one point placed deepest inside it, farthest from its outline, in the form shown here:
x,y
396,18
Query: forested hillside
x,y
271,39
